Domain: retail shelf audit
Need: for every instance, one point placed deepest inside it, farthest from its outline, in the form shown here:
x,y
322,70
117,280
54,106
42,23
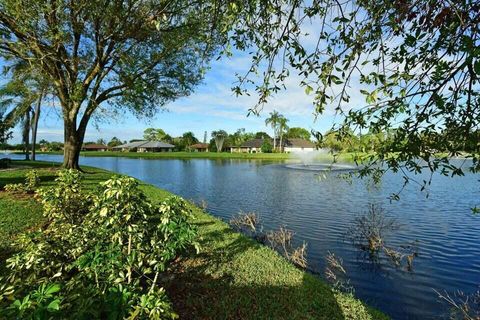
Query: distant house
x,y
94,147
199,147
289,145
145,146
298,145
250,146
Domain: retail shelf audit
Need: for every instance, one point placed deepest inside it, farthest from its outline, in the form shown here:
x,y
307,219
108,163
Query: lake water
x,y
321,209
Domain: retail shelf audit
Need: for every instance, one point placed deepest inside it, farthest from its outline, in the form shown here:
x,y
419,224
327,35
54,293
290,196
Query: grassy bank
x,y
233,277
346,156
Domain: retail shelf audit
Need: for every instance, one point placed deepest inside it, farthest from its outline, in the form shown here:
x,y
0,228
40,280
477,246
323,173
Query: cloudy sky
x,y
211,107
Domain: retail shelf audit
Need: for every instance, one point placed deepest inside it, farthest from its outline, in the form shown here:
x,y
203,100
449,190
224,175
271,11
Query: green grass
x,y
233,277
205,155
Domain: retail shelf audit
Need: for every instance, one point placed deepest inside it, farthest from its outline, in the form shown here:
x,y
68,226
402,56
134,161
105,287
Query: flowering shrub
x,y
101,253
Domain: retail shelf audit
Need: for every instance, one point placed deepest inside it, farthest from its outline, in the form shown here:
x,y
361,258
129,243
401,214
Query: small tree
x,y
114,142
282,127
188,138
266,146
219,136
272,120
298,133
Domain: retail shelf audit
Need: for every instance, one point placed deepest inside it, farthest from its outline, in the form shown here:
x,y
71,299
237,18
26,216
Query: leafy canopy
x,y
299,133
416,64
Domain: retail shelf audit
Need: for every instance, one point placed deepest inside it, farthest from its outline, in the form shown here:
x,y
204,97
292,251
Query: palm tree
x,y
219,137
282,127
273,122
19,95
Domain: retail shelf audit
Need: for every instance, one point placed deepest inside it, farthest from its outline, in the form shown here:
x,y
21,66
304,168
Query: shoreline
x,y
261,283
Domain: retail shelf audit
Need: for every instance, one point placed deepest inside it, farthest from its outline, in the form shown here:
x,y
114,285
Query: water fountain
x,y
311,160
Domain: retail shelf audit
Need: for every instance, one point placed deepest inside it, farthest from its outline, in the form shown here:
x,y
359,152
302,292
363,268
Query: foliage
x,y
239,137
185,141
5,127
297,132
98,254
266,146
230,266
96,54
114,142
282,127
415,65
32,180
261,135
152,134
273,121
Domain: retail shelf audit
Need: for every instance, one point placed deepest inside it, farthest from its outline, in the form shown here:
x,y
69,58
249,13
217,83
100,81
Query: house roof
x,y
130,145
94,146
145,144
199,146
156,144
299,143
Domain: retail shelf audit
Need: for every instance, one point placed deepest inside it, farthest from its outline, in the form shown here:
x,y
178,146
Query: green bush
x,y
266,146
32,181
98,256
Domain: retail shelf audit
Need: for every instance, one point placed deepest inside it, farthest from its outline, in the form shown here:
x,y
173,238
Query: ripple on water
x,y
320,211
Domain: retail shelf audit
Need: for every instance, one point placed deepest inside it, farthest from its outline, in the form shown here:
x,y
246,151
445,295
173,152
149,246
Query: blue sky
x,y
211,107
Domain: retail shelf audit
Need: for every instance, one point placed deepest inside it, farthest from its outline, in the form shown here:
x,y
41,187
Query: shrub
x,y
103,253
266,146
32,181
14,188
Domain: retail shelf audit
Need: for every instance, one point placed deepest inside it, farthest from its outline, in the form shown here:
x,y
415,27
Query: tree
x,y
24,90
219,136
282,127
266,146
298,133
416,63
272,120
101,141
262,135
114,142
240,136
152,134
188,139
134,54
5,133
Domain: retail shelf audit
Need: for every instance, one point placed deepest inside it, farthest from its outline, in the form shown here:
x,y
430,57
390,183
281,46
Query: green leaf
x,y
476,67
308,89
54,305
52,289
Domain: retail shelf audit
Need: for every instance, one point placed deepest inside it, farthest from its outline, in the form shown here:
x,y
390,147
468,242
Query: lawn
x,y
345,156
233,277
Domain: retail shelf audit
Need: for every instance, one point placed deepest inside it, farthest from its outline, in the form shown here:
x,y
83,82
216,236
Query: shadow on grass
x,y
234,277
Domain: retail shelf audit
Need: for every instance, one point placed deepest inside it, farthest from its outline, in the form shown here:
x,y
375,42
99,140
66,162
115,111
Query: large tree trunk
x,y
73,143
26,135
35,125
